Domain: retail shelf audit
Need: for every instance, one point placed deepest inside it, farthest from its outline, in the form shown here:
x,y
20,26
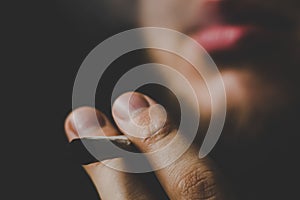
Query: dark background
x,y
44,44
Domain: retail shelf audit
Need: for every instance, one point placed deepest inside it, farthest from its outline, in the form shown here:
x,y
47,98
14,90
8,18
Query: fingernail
x,y
128,104
85,121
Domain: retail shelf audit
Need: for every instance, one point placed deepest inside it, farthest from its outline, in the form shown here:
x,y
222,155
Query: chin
x,y
254,103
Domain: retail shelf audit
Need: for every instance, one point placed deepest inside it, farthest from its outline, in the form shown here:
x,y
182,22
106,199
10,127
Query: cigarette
x,y
89,150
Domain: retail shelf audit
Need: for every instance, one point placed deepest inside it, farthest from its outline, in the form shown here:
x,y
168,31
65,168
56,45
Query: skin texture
x,y
259,128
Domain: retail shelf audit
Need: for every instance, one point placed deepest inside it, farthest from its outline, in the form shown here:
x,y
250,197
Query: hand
x,y
187,178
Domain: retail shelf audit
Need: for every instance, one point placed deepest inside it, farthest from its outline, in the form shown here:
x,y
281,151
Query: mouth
x,y
224,37
239,27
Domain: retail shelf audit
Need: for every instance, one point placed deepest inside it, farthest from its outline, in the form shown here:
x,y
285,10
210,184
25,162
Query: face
x,y
252,42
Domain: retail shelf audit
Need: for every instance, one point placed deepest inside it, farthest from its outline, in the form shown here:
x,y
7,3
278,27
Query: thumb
x,y
147,125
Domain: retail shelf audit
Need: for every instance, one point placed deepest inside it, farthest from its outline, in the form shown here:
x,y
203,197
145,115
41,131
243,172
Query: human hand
x,y
189,177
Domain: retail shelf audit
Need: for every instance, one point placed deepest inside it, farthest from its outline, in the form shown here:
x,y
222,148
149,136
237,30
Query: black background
x,y
44,43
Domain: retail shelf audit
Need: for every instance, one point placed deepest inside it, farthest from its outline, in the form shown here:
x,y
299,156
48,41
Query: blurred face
x,y
252,42
220,25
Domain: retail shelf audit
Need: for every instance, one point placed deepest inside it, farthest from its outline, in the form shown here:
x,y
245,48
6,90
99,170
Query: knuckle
x,y
197,183
160,136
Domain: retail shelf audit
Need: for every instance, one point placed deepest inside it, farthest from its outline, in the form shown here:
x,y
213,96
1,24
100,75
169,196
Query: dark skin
x,y
253,157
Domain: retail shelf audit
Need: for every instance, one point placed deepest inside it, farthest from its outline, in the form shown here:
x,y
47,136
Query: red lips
x,y
222,37
229,24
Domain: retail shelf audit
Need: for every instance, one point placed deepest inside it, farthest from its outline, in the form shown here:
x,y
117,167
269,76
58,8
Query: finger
x,y
110,184
188,177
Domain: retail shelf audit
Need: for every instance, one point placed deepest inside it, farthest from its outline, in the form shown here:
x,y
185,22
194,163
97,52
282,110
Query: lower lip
x,y
222,37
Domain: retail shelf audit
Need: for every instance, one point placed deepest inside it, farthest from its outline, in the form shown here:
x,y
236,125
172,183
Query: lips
x,y
223,37
233,27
